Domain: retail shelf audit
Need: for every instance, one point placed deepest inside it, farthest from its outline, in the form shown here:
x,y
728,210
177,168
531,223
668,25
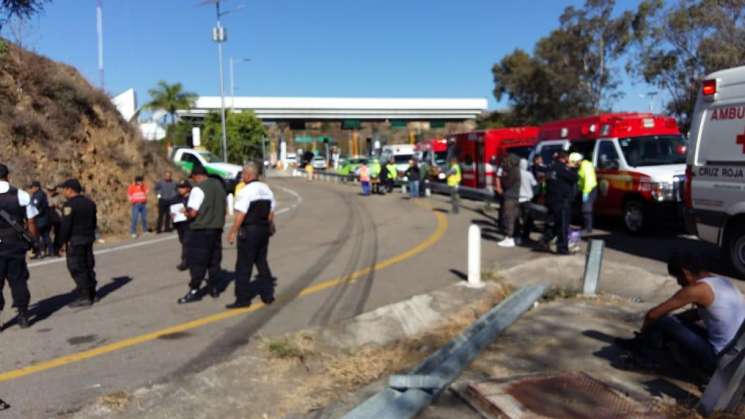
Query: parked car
x,y
319,162
715,174
291,159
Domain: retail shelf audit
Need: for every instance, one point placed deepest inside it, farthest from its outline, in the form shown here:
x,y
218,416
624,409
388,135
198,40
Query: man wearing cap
x,y
16,205
561,186
206,210
180,221
40,201
587,186
77,234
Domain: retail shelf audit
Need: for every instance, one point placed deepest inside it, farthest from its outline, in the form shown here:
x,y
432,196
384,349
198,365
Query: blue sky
x,y
368,48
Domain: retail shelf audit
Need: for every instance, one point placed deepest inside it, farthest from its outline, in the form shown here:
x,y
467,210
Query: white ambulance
x,y
715,175
401,154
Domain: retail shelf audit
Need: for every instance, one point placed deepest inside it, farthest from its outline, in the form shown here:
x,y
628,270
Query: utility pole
x,y
99,30
232,79
219,36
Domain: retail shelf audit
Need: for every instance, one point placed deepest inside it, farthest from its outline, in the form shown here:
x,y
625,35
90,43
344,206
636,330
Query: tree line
x,y
577,68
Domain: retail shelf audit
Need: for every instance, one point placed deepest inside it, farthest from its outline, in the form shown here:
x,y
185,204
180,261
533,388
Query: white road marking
x,y
298,201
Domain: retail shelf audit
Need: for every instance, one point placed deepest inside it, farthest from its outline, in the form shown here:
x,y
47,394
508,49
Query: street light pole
x,y
219,37
232,80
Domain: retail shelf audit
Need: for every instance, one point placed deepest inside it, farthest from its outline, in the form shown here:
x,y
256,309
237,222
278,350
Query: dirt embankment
x,y
54,125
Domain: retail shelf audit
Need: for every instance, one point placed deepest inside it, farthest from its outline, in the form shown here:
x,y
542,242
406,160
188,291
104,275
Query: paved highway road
x,y
336,254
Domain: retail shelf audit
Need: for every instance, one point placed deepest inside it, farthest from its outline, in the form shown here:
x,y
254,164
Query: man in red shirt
x,y
137,193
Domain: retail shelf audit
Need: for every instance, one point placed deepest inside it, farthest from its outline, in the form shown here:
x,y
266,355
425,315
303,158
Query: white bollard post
x,y
231,201
403,188
474,257
427,192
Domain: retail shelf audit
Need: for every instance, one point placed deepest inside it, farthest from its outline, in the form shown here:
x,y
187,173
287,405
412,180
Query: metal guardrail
x,y
435,187
407,395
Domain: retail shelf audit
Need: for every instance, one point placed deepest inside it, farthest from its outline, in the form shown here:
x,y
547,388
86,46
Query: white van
x,y
715,175
401,155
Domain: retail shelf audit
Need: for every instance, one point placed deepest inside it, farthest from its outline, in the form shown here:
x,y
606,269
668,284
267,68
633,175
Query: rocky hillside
x,y
54,125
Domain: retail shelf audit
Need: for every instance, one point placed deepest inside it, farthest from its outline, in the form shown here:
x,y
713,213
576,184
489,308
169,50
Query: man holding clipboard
x,y
180,220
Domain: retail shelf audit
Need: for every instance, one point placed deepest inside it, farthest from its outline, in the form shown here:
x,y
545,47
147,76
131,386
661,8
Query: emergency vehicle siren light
x,y
648,122
709,87
564,132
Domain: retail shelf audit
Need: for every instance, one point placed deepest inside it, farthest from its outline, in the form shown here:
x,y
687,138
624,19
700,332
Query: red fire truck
x,y
434,152
478,151
639,159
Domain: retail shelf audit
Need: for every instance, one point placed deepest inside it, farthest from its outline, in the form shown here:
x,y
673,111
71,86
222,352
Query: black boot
x,y
23,321
266,290
182,266
190,297
81,302
238,304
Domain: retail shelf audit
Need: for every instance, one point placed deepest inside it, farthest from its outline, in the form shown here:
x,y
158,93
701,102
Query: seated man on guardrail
x,y
696,336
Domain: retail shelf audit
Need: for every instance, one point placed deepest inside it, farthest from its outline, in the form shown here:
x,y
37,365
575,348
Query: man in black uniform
x,y
561,181
77,234
253,225
181,222
17,207
206,209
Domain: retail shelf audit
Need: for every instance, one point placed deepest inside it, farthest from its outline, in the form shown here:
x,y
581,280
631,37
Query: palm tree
x,y
170,98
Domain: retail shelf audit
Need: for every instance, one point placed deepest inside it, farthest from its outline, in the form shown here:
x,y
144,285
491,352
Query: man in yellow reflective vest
x,y
454,176
392,174
587,186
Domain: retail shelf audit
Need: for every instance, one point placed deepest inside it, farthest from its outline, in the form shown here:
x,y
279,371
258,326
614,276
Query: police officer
x,y
16,205
561,182
253,225
77,234
206,209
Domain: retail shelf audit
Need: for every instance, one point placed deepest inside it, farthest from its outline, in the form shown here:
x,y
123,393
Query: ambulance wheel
x,y
736,250
634,216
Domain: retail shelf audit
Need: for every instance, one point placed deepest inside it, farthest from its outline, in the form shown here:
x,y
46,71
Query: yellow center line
x,y
442,225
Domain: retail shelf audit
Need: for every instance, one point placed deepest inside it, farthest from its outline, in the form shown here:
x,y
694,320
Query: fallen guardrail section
x,y
407,395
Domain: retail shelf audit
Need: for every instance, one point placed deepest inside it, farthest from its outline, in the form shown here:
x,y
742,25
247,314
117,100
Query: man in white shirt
x,y
253,225
16,211
702,332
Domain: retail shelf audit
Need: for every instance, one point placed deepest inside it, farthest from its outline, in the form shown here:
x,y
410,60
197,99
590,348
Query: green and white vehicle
x,y
186,158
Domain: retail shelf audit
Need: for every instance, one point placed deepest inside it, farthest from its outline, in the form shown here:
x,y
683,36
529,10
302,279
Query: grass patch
x,y
492,276
284,349
559,293
116,401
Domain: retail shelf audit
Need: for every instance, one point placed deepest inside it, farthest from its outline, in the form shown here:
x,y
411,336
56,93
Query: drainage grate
x,y
570,395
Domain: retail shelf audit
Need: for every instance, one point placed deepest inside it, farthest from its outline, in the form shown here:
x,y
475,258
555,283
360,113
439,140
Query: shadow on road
x,y
459,274
44,309
660,247
666,369
240,334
